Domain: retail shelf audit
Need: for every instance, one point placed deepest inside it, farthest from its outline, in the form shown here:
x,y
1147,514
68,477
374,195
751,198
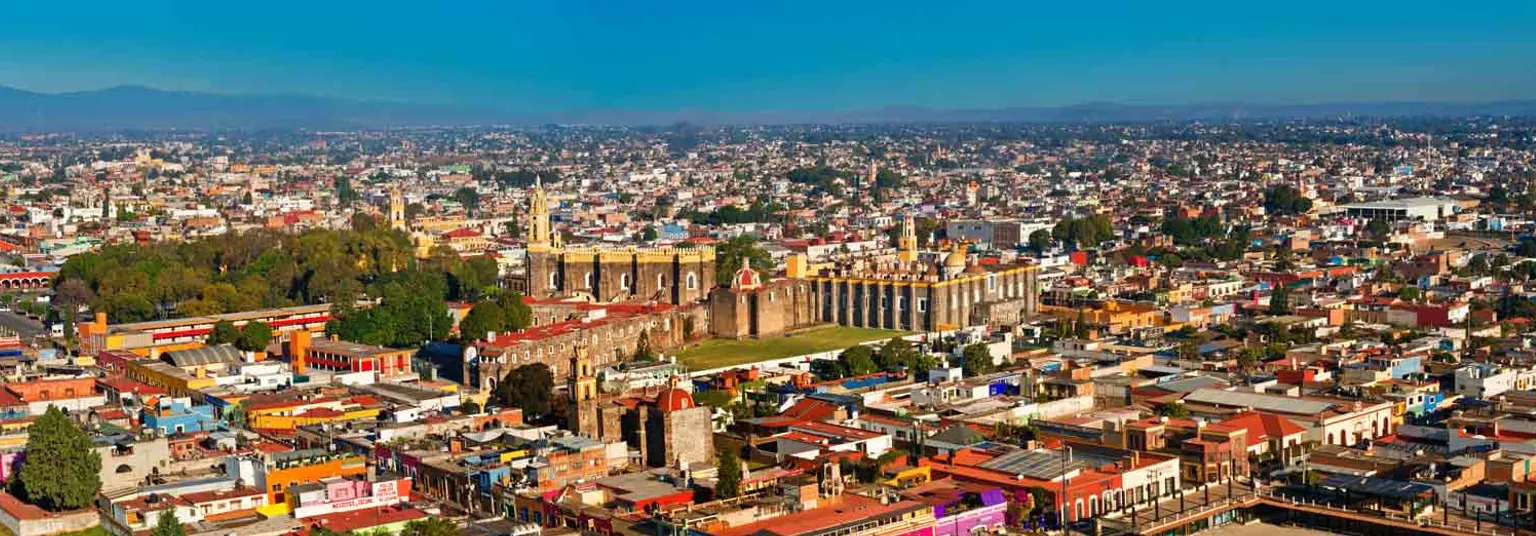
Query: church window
x,y
587,280
624,282
693,281
661,280
554,281
922,305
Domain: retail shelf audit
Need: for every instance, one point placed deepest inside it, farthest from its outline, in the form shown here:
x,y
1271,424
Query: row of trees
x,y
505,313
1083,232
262,269
252,337
896,355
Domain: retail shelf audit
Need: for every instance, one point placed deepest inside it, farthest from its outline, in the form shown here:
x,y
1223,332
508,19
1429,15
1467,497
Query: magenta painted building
x,y
962,509
10,462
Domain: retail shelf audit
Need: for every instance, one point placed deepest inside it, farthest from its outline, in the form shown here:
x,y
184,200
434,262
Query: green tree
x,y
254,336
1410,294
345,194
648,234
895,353
1173,410
727,475
1040,240
63,470
1248,359
518,314
1378,229
1285,199
978,360
528,388
431,526
485,317
470,407
468,197
728,257
858,360
168,524
1279,300
224,332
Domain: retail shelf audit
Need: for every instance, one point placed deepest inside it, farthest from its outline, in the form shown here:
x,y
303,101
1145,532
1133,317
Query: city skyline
x,y
522,58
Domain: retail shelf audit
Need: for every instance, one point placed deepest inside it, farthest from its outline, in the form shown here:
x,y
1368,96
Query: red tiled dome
x,y
674,399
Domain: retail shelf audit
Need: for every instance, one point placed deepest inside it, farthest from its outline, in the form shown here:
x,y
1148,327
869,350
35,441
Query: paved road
x,y
22,325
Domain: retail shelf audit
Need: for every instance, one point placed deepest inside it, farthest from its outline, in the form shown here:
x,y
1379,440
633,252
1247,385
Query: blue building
x,y
1399,366
178,416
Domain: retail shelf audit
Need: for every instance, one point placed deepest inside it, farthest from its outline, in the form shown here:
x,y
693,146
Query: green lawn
x,y
716,353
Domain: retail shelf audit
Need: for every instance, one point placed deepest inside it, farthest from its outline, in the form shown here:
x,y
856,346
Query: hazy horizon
x,y
856,55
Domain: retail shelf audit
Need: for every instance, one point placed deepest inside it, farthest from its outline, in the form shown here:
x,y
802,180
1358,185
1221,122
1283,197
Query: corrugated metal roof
x,y
205,356
1277,404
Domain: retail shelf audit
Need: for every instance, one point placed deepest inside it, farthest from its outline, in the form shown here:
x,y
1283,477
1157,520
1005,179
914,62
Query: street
x,y
23,326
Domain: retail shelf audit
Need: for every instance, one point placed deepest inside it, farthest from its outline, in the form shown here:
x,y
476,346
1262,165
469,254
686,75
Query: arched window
x,y
624,282
693,281
1093,506
661,280
587,280
1330,438
554,281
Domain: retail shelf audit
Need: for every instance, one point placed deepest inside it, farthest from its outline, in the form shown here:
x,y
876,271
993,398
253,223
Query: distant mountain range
x,y
136,108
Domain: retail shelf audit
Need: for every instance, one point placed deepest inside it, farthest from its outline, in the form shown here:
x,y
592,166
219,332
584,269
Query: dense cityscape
x,y
857,330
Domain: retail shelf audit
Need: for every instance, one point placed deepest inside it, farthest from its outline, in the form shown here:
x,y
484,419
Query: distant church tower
x,y
538,230
582,383
907,243
396,209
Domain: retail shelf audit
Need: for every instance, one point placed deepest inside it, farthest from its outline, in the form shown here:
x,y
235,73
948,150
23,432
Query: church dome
x,y
956,259
674,399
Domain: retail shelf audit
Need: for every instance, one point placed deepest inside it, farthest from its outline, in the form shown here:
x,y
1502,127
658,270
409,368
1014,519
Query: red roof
x,y
366,518
1263,425
464,232
673,400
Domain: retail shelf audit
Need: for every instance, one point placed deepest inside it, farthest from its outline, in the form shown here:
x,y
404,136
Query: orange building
x,y
279,472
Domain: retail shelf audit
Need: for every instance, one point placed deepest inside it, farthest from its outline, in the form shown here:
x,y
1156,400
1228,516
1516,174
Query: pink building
x,y
339,494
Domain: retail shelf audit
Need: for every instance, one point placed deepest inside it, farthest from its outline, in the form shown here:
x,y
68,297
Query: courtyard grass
x,y
715,353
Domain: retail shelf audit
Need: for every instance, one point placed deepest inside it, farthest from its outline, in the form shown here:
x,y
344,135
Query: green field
x,y
716,353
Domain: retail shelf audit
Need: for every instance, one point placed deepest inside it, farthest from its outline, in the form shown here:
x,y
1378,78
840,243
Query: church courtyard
x,y
715,353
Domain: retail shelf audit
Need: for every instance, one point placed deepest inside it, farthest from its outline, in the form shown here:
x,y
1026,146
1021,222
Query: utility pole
x,y
1066,455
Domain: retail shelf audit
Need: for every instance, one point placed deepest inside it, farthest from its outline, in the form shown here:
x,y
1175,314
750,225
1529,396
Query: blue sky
x,y
739,55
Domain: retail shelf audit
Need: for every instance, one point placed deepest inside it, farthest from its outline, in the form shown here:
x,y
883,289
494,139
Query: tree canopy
x,y
728,257
978,360
168,525
727,475
1285,199
1084,233
431,526
62,471
528,388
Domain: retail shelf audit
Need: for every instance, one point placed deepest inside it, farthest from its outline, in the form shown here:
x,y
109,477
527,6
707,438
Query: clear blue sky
x,y
736,55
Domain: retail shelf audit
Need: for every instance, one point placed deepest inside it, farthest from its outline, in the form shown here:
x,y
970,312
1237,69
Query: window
x,y
554,281
624,282
693,281
587,280
922,305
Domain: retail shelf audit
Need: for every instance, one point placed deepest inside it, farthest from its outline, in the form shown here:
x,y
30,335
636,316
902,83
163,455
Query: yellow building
x,y
291,414
1112,317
